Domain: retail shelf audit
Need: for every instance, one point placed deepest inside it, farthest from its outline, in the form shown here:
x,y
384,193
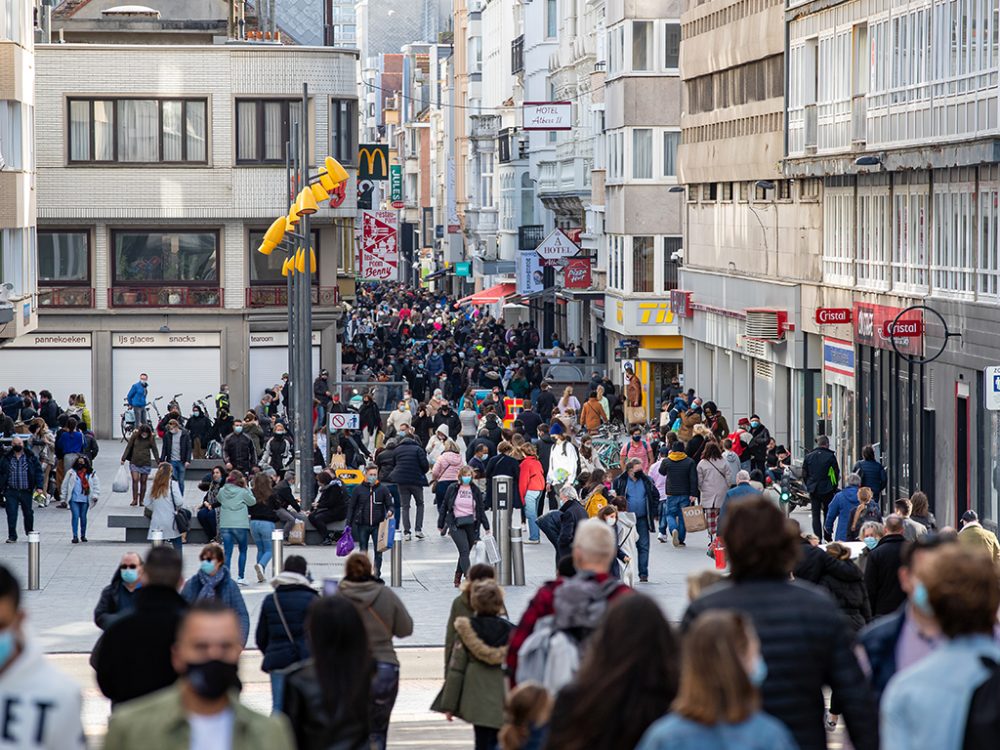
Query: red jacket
x,y
543,605
530,475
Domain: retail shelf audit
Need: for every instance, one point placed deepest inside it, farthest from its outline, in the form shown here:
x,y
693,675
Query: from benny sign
x,y
379,248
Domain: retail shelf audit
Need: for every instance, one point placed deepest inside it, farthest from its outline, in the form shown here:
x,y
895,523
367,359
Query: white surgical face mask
x,y
611,520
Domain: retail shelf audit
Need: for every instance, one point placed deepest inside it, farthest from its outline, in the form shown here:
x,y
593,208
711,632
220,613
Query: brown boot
x,y
458,578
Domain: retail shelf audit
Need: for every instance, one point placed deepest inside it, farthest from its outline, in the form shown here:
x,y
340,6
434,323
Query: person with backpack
x,y
474,685
950,698
636,447
682,490
841,510
868,510
571,616
821,474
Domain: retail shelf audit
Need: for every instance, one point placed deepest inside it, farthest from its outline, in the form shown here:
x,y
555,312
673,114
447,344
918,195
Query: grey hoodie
x,y
383,613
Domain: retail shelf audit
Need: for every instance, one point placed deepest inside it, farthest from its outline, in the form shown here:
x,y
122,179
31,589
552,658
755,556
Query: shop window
x,y
152,257
266,269
63,257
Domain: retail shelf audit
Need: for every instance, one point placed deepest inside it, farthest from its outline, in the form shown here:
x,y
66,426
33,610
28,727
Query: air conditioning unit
x,y
765,324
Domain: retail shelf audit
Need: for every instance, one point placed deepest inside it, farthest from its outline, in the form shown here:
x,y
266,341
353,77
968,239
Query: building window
x,y
486,181
710,192
642,45
672,45
809,189
63,257
263,126
17,260
727,192
643,252
138,131
744,191
527,200
642,154
671,245
344,130
671,139
12,129
266,269
953,238
616,56
910,237
989,241
838,236
784,190
872,239
551,19
155,256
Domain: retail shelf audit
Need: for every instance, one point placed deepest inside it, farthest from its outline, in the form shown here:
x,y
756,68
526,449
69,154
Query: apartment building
x,y
901,128
154,190
18,268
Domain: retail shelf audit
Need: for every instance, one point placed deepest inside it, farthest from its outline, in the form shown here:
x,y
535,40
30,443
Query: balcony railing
x,y
164,296
530,236
66,296
517,56
277,296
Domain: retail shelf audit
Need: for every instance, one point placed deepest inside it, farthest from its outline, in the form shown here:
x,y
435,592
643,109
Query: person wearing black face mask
x,y
141,453
20,477
200,428
205,699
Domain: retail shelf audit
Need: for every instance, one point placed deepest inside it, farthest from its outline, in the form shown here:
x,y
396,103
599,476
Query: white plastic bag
x,y
122,481
492,549
478,554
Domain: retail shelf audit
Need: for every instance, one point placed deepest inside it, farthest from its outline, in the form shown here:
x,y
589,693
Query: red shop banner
x,y
877,326
578,273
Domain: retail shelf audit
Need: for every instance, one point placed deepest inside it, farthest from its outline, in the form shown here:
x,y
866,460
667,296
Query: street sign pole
x,y
303,340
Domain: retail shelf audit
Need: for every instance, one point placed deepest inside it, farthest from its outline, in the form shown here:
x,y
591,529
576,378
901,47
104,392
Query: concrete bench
x,y
137,529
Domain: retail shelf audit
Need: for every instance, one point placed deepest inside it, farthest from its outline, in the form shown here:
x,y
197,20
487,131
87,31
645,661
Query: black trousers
x,y
320,518
820,505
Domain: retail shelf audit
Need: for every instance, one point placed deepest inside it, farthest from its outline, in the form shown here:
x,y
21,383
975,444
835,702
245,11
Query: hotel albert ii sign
x,y
379,248
547,116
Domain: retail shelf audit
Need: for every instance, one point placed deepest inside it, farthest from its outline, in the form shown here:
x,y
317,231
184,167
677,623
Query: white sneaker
x,y
532,541
259,569
407,536
419,535
241,581
661,538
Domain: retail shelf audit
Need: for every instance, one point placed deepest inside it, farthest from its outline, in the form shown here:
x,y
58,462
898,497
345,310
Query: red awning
x,y
489,296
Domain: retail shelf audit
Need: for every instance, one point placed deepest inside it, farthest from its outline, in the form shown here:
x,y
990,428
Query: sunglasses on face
x,y
128,566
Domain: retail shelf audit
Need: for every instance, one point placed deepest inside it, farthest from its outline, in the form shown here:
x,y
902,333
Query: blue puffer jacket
x,y
872,475
841,509
294,594
227,591
410,464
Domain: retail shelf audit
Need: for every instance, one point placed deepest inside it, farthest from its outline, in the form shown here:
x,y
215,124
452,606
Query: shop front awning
x,y
489,296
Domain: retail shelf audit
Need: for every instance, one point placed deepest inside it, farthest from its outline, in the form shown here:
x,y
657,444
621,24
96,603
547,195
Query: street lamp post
x,y
302,376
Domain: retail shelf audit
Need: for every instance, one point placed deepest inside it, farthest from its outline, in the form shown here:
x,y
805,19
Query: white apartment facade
x,y
154,191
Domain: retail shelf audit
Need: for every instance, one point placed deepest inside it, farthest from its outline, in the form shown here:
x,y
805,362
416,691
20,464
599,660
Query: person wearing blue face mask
x,y
42,705
118,597
213,581
461,515
718,705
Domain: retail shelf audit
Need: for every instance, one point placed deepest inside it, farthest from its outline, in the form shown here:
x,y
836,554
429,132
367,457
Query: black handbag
x,y
182,520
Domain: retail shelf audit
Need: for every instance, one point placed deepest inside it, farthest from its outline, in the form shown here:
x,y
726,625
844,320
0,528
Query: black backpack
x,y
982,727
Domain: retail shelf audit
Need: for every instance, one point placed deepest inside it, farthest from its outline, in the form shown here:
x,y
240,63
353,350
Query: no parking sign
x,y
344,421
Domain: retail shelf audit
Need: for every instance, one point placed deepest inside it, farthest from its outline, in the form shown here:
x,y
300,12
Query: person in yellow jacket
x,y
974,536
595,494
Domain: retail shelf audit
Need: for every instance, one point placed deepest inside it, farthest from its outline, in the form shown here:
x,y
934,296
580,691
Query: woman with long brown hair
x,y
164,499
632,656
718,705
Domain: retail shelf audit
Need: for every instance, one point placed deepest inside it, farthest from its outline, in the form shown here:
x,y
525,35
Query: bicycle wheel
x,y
126,429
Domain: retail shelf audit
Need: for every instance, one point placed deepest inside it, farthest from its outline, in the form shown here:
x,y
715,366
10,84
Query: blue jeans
x,y
261,533
78,513
531,498
179,473
239,537
277,691
642,544
19,499
672,515
362,534
384,689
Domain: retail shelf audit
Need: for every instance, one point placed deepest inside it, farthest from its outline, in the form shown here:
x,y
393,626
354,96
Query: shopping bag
x,y
492,549
297,536
122,480
694,518
345,545
635,414
478,554
386,534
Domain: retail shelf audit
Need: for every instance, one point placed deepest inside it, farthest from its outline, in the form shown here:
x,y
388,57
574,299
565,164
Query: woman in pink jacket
x,y
444,473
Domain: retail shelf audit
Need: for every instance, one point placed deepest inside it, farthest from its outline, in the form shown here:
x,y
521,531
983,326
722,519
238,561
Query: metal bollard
x,y
503,491
277,552
156,538
34,561
516,551
396,555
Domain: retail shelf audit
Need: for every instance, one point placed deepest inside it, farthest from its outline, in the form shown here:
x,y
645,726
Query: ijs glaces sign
x,y
547,116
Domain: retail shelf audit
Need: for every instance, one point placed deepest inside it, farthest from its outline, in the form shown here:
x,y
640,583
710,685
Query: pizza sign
x,y
379,246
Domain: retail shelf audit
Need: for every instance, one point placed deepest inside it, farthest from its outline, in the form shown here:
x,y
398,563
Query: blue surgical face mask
x,y
870,542
7,646
130,575
208,567
921,599
758,672
755,424
238,429
466,480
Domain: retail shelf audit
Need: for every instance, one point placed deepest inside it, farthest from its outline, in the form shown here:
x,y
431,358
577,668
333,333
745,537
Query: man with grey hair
x,y
842,510
882,571
821,474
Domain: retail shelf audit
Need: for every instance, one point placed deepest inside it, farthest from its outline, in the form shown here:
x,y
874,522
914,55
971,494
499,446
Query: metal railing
x,y
66,296
387,395
530,236
277,296
164,296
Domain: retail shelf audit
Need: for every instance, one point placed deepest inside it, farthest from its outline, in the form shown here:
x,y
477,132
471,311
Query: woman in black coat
x,y
422,425
461,515
200,427
281,630
330,507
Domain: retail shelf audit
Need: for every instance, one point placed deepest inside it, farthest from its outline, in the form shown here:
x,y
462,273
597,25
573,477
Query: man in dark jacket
x,y
237,449
330,507
503,464
545,402
821,474
20,476
118,597
643,500
48,410
410,477
682,489
815,562
872,473
283,614
11,403
882,570
804,638
756,449
446,416
176,450
544,445
483,438
134,655
530,419
370,504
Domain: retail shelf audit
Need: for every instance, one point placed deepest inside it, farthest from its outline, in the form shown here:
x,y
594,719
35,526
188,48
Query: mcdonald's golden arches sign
x,y
373,161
